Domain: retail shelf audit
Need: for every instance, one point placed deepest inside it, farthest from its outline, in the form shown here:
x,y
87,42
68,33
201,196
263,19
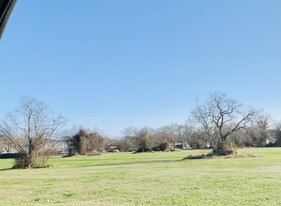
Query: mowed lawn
x,y
147,179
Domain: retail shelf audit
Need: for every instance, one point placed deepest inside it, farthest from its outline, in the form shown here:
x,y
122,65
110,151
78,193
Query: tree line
x,y
220,123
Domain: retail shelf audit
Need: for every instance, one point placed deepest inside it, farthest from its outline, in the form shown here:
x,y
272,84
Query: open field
x,y
147,179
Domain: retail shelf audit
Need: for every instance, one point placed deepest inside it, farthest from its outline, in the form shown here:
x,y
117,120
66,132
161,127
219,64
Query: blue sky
x,y
112,64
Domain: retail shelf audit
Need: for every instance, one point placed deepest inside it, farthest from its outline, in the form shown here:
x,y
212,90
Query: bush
x,y
85,143
224,151
161,147
24,161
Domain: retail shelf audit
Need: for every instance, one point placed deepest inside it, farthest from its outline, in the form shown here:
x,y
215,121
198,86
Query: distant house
x,y
6,148
52,147
113,149
57,146
181,145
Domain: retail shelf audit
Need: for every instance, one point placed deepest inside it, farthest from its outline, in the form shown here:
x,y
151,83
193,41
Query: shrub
x,y
161,147
24,160
224,151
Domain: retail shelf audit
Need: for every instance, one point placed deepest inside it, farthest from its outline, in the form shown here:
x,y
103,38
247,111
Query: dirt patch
x,y
210,156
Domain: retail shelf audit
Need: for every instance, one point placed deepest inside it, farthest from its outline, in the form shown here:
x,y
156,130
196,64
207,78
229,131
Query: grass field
x,y
147,179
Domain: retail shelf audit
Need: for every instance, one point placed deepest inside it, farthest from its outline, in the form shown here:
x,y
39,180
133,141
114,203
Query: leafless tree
x,y
275,134
28,129
4,146
258,133
219,117
165,134
128,140
184,133
144,139
278,134
147,139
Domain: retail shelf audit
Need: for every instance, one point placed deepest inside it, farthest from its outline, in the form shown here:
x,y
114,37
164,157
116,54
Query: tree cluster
x,y
220,123
148,139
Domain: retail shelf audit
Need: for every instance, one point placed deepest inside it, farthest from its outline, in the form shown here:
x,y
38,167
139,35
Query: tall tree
x,y
258,133
219,117
28,129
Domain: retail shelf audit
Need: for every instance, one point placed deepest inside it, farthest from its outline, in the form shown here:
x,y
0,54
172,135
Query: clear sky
x,y
112,64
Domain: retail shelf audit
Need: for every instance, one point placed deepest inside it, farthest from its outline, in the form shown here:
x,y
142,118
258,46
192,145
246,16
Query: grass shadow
x,y
6,169
134,163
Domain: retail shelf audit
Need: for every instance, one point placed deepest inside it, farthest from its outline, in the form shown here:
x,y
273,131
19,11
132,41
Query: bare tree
x,y
184,133
28,129
278,134
128,141
204,127
4,146
165,134
219,117
275,134
258,133
144,139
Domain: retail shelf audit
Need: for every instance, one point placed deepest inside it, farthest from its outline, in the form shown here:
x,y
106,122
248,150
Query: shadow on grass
x,y
199,156
9,156
6,169
132,163
112,164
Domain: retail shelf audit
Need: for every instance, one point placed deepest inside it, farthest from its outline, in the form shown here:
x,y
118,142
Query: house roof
x,y
6,7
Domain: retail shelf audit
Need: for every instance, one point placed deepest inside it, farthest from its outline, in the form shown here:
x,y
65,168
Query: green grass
x,y
147,179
